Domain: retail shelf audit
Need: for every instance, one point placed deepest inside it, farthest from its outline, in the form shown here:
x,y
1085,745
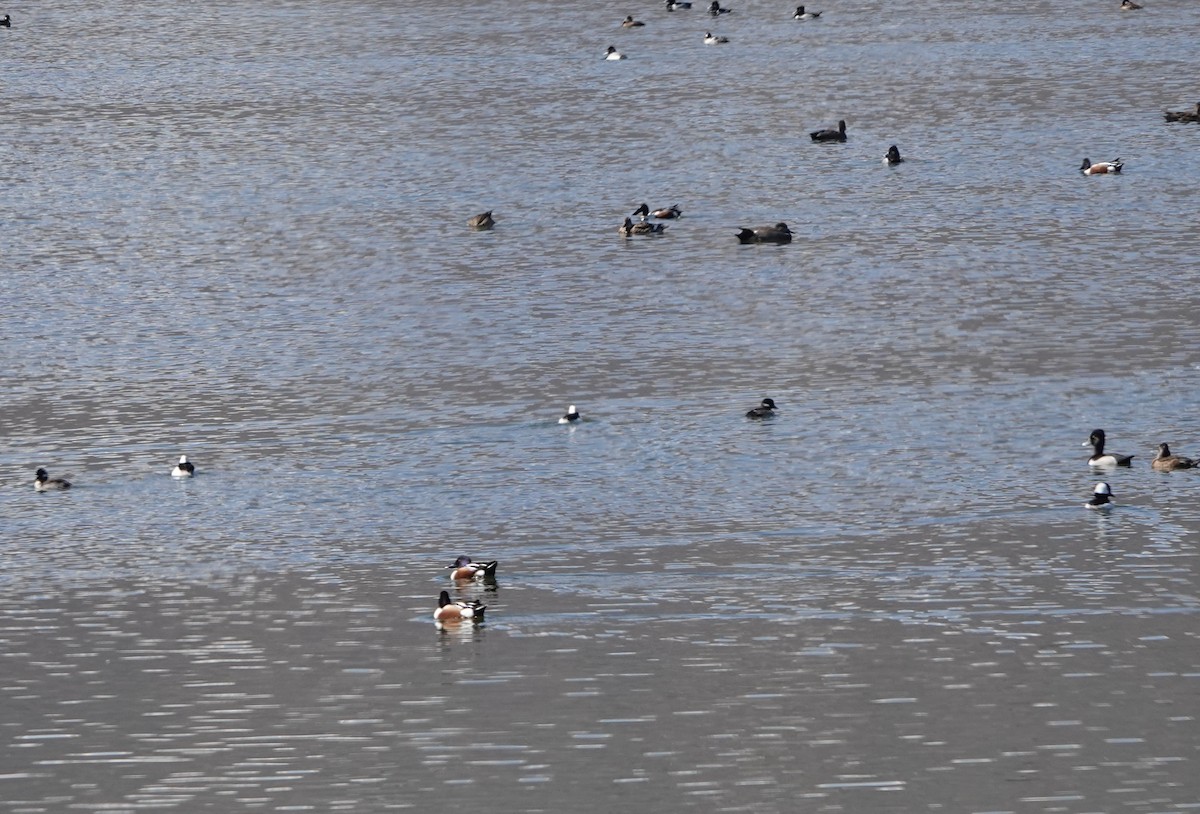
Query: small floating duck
x,y
613,53
483,220
674,4
6,23
710,39
779,233
1101,497
1099,457
450,611
42,482
1183,115
829,134
571,416
893,156
464,568
1129,5
1101,167
801,14
670,213
629,22
641,228
765,409
714,8
183,469
1164,461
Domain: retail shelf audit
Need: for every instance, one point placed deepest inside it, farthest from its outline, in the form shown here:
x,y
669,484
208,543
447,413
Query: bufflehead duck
x,y
829,134
1099,457
779,233
449,611
714,8
765,409
670,213
1164,461
463,568
1101,497
42,482
709,39
1129,5
1183,115
641,228
571,417
6,23
893,156
674,4
629,22
613,53
183,469
483,220
1101,167
801,14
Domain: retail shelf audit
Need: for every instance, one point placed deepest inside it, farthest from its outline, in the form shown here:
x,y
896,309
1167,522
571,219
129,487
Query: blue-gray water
x,y
238,232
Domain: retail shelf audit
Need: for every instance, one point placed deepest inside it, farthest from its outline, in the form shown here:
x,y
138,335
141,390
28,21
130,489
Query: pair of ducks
x,y
42,482
1164,461
464,569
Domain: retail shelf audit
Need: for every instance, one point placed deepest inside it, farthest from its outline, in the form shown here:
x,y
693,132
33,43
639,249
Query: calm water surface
x,y
238,232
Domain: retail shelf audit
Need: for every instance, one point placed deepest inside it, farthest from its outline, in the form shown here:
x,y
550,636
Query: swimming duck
x,y
42,482
629,22
830,134
893,156
714,8
765,409
779,233
613,53
483,220
1129,5
670,213
1183,115
709,39
463,568
1099,457
571,417
450,611
1101,497
1164,461
1101,167
801,14
6,23
183,469
673,4
641,228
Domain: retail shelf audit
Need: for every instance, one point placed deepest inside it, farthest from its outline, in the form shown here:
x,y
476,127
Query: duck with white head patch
x,y
571,417
765,409
1101,497
1102,458
183,469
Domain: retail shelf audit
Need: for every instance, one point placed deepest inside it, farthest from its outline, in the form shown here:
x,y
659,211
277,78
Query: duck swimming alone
x,y
893,156
183,469
6,23
42,482
1164,461
801,14
710,39
1183,115
779,233
673,4
464,568
629,22
829,134
613,53
765,409
1101,167
1101,497
670,213
1099,457
571,417
715,8
1129,5
450,611
483,220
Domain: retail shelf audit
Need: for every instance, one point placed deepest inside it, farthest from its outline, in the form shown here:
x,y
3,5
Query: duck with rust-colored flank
x,y
1101,167
669,213
462,610
779,233
1164,461
464,568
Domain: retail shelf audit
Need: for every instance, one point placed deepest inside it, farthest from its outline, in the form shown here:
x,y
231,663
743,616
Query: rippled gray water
x,y
238,232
